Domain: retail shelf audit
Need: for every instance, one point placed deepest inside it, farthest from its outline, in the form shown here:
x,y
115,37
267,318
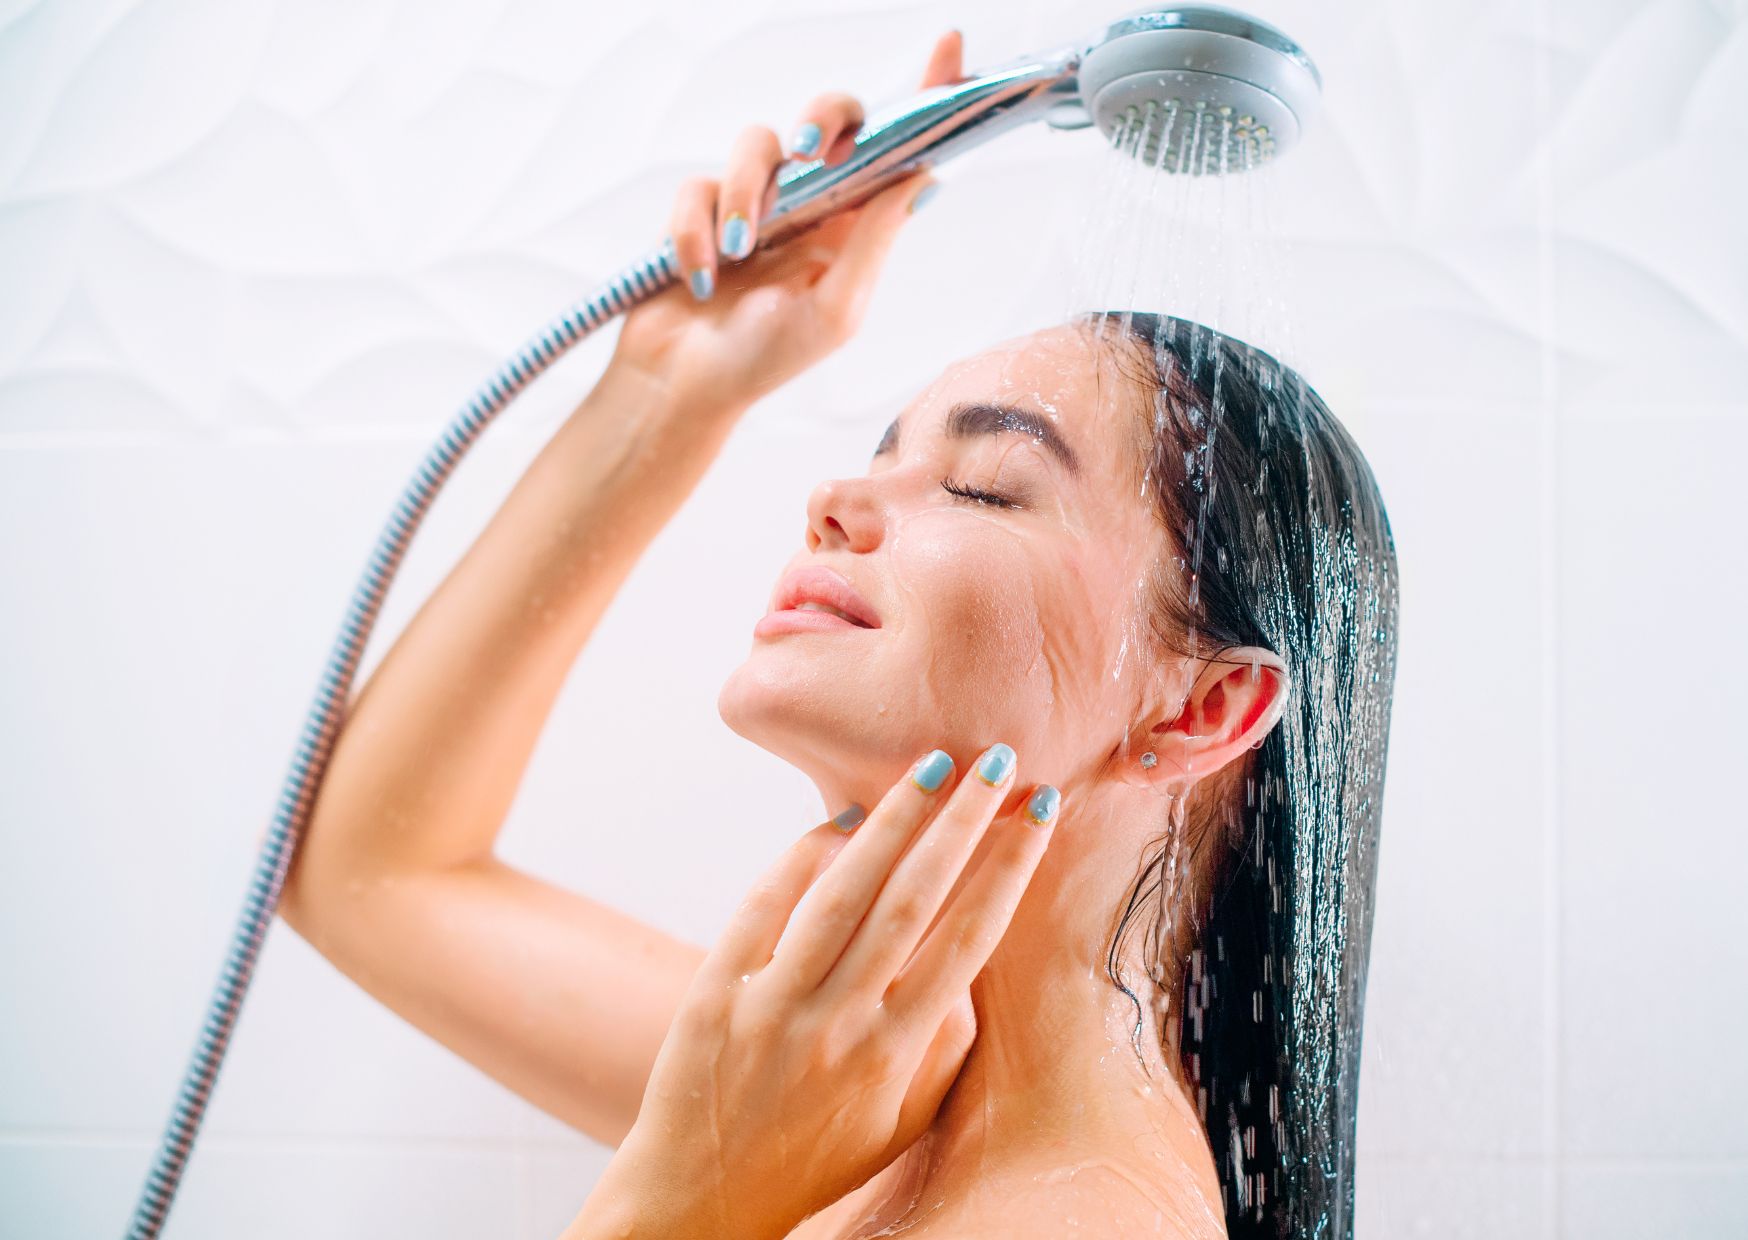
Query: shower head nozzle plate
x,y
1198,89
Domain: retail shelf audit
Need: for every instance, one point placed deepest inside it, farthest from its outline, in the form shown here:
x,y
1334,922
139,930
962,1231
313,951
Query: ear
x,y
1237,697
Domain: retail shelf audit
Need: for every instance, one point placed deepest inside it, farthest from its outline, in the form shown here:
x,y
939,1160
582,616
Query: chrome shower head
x,y
1148,77
1198,88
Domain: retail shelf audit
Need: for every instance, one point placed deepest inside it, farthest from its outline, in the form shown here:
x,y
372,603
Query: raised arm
x,y
560,997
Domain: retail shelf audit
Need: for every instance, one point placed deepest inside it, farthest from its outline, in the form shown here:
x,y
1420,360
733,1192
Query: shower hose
x,y
637,282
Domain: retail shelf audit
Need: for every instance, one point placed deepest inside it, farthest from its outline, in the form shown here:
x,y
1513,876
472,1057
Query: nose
x,y
845,512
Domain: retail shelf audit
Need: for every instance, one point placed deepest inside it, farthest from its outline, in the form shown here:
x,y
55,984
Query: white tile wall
x,y
1652,981
253,255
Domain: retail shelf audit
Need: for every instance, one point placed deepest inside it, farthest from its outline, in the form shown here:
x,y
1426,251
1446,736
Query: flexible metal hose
x,y
635,283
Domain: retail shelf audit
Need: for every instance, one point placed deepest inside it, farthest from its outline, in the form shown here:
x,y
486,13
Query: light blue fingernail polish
x,y
923,195
933,770
850,817
806,140
737,238
1042,806
702,284
996,762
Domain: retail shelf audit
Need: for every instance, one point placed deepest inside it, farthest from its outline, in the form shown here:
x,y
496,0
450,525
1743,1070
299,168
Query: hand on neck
x,y
1055,1081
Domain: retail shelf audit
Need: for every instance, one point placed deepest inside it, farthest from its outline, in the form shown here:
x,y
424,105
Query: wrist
x,y
660,391
633,1202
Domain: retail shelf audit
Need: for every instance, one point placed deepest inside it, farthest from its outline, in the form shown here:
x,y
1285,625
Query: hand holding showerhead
x,y
1242,88
755,313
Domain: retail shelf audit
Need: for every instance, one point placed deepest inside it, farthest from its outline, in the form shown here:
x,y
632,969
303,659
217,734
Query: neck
x,y
1053,1087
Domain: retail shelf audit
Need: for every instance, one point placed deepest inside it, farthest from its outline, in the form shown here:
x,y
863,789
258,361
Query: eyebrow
x,y
983,417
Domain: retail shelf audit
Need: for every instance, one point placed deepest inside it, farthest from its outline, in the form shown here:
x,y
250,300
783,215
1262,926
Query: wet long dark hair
x,y
1285,544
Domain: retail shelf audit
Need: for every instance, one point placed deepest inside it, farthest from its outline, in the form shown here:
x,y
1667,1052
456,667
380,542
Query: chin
x,y
767,702
811,720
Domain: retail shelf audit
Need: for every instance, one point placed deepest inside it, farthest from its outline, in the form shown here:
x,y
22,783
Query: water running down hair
x,y
1265,886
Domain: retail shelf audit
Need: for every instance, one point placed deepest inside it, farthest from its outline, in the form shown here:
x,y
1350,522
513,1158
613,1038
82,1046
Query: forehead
x,y
1066,376
1056,366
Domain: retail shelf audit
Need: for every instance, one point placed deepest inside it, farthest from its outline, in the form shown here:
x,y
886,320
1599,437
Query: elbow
x,y
294,898
307,900
330,891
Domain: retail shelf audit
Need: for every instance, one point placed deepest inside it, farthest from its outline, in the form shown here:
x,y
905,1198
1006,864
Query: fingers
x,y
715,219
946,61
752,168
824,928
693,228
829,124
934,1076
961,942
917,888
758,923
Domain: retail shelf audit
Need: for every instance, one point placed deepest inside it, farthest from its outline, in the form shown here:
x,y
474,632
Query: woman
x,y
1123,555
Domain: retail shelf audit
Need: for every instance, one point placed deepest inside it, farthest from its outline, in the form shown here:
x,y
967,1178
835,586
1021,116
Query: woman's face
x,y
995,623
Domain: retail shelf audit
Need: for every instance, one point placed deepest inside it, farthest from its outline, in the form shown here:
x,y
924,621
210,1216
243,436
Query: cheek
x,y
1083,642
973,618
1000,621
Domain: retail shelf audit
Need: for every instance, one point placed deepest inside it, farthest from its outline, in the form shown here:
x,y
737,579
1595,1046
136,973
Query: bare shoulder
x,y
1091,1199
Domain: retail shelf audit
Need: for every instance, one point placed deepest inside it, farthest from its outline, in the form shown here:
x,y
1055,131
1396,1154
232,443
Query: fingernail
x,y
996,762
933,770
1042,806
737,238
806,140
923,195
703,284
850,817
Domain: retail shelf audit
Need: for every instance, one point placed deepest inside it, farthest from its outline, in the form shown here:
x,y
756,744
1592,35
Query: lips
x,y
818,584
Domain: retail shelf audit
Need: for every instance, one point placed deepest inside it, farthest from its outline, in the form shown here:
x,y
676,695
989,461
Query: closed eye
x,y
972,493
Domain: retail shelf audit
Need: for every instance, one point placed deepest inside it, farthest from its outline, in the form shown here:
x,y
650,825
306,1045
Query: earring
x,y
1149,760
